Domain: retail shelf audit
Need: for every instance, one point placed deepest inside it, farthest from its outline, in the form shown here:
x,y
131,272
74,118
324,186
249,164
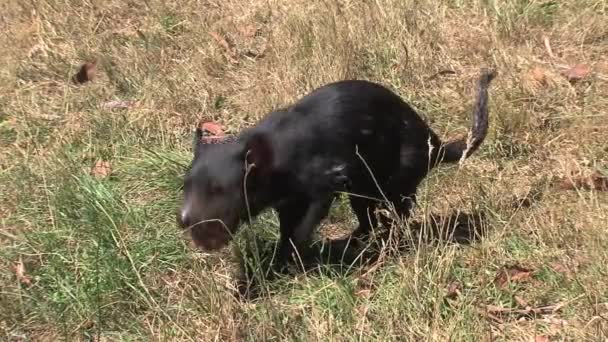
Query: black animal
x,y
350,135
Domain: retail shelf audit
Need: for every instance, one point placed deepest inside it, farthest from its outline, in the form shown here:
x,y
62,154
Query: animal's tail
x,y
460,149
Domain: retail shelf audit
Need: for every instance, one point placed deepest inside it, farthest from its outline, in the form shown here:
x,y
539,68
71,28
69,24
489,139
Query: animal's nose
x,y
184,219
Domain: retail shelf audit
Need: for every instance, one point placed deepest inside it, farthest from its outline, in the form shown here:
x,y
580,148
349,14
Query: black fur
x,y
296,159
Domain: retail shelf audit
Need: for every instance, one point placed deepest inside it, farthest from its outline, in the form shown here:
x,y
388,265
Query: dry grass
x,y
104,259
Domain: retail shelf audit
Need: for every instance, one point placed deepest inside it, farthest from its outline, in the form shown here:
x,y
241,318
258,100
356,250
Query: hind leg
x,y
402,197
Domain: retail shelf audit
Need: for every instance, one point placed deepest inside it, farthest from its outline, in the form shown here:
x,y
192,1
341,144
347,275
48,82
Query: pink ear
x,y
260,152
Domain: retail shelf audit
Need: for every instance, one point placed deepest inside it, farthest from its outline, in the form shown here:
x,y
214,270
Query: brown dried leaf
x,y
101,169
577,72
566,184
454,290
599,182
521,302
595,181
23,278
364,285
542,338
362,322
363,293
88,324
86,73
539,75
514,273
229,50
254,54
559,268
211,128
249,31
213,133
521,275
535,79
220,40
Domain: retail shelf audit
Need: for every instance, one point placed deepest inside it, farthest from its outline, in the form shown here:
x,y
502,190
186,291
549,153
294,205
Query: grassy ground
x,y
97,256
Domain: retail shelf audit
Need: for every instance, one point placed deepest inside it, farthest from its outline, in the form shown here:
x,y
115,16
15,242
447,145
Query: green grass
x,y
104,260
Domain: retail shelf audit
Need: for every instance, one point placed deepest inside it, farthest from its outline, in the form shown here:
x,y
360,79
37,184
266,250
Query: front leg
x,y
298,219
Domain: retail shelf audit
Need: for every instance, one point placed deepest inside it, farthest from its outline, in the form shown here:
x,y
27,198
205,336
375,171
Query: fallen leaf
x,y
559,268
521,302
220,40
86,73
254,54
229,51
520,275
363,293
454,290
214,134
595,181
23,278
88,324
514,273
249,30
101,169
211,128
539,75
362,321
577,72
118,104
599,182
541,338
364,285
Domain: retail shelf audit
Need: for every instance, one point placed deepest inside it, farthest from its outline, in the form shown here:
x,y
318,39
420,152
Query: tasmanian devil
x,y
350,135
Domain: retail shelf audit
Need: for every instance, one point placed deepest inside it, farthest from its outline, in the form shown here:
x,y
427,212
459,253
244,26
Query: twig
x,y
548,47
543,310
490,315
497,313
441,73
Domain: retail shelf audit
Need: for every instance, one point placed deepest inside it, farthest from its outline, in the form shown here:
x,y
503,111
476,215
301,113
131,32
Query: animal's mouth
x,y
211,235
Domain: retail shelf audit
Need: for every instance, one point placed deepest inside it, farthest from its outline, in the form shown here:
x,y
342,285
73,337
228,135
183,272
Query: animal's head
x,y
214,199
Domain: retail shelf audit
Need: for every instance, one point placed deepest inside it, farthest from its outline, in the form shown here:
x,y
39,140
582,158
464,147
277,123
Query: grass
x,y
102,257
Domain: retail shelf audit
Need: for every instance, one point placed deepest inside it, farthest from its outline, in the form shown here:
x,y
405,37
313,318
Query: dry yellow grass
x,y
106,260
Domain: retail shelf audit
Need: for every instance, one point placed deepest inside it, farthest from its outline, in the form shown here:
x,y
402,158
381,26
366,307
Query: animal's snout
x,y
209,225
184,218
